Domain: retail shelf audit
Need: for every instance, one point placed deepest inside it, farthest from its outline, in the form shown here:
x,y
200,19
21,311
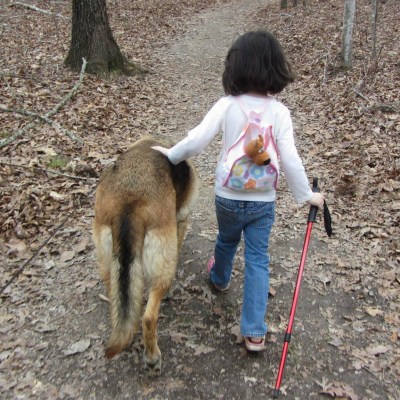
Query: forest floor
x,y
54,316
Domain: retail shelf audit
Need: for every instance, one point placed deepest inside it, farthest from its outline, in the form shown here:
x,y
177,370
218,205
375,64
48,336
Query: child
x,y
255,68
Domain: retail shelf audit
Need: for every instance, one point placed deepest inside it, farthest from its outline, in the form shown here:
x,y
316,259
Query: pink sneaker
x,y
210,266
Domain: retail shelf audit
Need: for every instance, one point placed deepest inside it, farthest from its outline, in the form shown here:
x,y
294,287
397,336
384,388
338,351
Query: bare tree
x,y
374,4
92,39
347,36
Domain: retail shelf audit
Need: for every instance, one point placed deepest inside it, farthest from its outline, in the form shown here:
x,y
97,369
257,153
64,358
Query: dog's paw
x,y
152,364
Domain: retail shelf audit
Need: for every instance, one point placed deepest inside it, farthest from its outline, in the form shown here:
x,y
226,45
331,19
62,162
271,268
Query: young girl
x,y
255,68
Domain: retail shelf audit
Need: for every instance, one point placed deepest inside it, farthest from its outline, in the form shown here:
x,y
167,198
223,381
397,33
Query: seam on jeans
x,y
254,335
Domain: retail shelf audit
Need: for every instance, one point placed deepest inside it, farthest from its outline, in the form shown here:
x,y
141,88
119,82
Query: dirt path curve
x,y
62,334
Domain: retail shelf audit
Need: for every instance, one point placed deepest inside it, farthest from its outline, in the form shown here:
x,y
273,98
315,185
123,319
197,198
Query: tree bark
x,y
347,38
92,39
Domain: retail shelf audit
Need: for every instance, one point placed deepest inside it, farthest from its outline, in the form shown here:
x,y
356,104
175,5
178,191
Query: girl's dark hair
x,y
256,63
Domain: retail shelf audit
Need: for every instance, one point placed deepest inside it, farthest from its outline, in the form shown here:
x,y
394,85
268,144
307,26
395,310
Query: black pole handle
x,y
312,215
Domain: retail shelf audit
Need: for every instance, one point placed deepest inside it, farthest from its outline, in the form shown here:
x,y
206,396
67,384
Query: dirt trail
x,y
63,333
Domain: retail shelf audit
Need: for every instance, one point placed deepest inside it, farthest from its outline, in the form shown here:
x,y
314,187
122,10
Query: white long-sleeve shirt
x,y
227,117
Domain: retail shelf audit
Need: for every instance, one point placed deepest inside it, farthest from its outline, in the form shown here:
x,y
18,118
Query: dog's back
x,y
141,214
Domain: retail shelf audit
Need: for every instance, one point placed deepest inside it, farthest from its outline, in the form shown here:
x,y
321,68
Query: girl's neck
x,y
254,94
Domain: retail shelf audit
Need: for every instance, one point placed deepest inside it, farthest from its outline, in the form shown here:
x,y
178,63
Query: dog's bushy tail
x,y
126,284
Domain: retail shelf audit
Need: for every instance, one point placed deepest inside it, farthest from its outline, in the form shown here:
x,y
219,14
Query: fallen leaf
x,y
48,151
209,237
78,347
16,246
203,350
178,337
67,256
395,336
378,349
250,379
373,312
104,298
82,245
56,196
335,342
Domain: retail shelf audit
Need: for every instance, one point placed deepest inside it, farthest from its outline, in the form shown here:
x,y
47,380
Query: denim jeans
x,y
255,220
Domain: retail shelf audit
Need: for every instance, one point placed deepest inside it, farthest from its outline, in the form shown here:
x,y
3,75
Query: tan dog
x,y
141,215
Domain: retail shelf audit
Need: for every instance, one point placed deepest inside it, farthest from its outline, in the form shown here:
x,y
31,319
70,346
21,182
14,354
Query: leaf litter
x,y
347,125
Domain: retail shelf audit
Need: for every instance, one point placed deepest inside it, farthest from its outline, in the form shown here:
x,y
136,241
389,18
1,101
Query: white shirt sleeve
x,y
292,165
199,137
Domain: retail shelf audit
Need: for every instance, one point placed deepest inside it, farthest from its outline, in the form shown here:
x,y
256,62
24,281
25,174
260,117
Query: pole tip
x,y
276,393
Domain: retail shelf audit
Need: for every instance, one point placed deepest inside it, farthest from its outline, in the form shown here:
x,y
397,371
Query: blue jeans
x,y
255,220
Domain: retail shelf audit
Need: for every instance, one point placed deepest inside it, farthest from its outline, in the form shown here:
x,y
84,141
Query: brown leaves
x,y
337,390
345,139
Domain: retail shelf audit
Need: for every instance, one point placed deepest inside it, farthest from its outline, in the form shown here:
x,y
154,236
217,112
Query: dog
x,y
142,207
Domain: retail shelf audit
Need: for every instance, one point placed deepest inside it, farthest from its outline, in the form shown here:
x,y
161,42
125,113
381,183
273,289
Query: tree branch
x,y
384,107
48,171
71,93
43,118
49,114
34,8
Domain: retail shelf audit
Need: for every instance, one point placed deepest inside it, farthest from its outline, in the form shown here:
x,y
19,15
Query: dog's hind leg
x,y
182,228
102,238
159,257
182,217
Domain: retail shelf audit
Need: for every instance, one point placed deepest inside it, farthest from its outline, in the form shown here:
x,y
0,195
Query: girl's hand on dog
x,y
162,150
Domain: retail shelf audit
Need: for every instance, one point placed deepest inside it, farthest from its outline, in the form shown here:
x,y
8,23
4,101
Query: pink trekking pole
x,y
311,219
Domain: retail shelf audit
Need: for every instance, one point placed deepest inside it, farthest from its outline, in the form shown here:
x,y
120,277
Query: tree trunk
x,y
374,4
91,38
347,38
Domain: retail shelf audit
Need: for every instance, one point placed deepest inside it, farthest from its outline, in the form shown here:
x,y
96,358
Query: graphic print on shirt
x,y
239,172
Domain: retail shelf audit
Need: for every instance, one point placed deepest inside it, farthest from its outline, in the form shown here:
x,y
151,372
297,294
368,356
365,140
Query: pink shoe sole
x,y
251,346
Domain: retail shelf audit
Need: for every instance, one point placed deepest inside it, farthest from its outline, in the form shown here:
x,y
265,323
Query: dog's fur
x,y
141,215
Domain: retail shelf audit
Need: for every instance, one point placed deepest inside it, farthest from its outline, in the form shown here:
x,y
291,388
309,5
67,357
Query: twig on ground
x,y
389,108
52,112
43,118
384,107
71,93
359,93
35,254
49,171
34,8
